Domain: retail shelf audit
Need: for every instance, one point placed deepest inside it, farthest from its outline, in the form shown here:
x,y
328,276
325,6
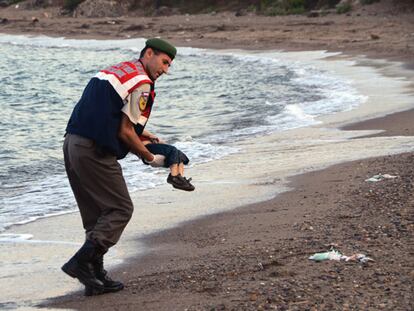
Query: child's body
x,y
175,160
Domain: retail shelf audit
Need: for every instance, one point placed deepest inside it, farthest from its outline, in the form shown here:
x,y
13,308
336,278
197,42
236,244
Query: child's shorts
x,y
171,153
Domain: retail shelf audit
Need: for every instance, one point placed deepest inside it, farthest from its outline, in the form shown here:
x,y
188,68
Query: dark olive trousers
x,y
100,190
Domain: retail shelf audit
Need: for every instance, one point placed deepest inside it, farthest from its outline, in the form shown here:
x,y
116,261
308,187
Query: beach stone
x,y
314,14
166,11
35,4
134,27
240,13
253,297
221,27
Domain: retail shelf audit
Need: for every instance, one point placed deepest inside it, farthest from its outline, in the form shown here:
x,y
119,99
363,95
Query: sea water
x,y
207,101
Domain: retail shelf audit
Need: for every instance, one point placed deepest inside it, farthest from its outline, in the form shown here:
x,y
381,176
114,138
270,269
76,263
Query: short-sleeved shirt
x,y
135,103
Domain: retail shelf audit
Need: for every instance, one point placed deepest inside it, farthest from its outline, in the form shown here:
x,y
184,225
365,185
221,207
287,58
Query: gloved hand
x,y
158,161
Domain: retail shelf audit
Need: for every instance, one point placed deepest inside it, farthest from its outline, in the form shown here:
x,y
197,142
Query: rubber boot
x,y
110,286
80,266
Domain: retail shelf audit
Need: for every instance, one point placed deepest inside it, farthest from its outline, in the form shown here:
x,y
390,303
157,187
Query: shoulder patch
x,y
143,99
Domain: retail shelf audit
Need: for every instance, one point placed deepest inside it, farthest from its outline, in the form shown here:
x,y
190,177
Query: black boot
x,y
110,286
80,266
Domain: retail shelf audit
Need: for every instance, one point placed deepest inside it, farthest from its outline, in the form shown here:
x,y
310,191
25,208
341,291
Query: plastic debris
x,y
359,257
333,254
380,177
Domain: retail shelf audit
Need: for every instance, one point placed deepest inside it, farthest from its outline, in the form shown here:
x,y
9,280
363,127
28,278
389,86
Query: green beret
x,y
162,46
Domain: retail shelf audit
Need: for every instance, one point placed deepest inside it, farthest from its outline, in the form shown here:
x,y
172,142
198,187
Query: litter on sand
x,y
380,177
333,254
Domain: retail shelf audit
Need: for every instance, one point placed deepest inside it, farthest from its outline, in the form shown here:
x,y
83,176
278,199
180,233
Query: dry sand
x,y
255,257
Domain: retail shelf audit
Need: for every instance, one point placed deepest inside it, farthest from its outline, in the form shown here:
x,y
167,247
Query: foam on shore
x,y
256,173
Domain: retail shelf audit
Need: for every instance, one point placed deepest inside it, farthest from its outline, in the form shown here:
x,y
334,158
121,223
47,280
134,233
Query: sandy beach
x,y
255,257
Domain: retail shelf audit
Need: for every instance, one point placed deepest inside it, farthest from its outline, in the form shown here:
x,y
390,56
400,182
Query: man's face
x,y
157,64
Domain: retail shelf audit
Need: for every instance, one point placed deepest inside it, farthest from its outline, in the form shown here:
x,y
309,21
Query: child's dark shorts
x,y
171,153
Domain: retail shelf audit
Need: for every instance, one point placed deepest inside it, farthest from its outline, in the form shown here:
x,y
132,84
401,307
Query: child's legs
x,y
174,169
177,169
181,169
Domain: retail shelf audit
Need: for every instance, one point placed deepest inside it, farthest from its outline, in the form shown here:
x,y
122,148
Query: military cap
x,y
162,46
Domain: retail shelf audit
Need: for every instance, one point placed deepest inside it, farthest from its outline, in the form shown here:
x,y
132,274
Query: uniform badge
x,y
143,99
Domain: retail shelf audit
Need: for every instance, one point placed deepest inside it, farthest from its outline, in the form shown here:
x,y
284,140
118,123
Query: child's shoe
x,y
180,182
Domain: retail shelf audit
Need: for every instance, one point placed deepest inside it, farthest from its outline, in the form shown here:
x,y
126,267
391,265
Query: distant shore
x,y
378,30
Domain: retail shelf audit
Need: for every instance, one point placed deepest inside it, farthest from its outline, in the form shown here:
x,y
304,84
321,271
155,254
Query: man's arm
x,y
128,135
131,115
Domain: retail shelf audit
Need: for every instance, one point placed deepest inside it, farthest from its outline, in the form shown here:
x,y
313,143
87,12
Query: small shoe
x,y
189,182
180,182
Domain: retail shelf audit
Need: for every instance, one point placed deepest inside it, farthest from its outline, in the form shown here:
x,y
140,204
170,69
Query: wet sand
x,y
396,124
255,257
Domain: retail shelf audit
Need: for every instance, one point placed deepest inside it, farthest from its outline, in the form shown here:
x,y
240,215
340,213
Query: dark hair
x,y
156,52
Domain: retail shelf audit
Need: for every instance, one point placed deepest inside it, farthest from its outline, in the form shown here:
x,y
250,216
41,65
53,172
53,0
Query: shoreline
x,y
185,262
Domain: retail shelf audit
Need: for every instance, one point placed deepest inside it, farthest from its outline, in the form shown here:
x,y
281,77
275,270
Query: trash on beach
x,y
333,254
359,257
380,177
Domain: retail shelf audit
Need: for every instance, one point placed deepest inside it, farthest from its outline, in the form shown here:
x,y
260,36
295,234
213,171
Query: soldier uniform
x,y
91,150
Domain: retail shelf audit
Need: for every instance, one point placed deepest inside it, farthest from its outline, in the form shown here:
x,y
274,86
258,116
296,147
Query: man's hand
x,y
157,140
153,138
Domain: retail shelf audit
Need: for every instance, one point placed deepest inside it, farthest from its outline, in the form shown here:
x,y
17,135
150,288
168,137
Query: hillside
x,y
380,29
102,8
